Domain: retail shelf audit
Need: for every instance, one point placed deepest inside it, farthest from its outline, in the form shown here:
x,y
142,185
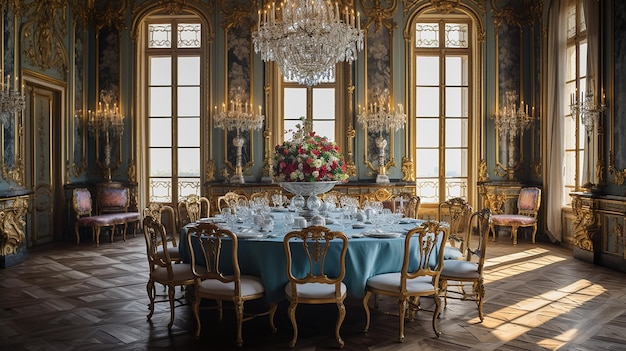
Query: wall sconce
x,y
107,122
510,122
12,100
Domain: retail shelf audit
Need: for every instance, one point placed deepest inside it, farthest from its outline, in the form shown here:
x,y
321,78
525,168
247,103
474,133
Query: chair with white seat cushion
x,y
206,242
419,277
315,282
458,273
456,211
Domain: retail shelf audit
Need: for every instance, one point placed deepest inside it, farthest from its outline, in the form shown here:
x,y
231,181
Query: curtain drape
x,y
554,114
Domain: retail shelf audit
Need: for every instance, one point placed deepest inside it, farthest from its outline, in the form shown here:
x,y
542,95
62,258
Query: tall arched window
x,y
173,97
442,88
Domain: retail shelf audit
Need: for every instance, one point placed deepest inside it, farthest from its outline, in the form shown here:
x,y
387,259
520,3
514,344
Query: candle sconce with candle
x,y
510,122
107,122
12,99
379,117
239,116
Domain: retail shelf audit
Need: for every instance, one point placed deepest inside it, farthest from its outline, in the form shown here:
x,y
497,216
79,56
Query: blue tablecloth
x,y
266,258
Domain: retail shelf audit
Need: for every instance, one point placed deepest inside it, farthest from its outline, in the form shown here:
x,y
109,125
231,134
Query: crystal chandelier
x,y
306,38
106,121
510,122
12,100
588,111
378,118
238,115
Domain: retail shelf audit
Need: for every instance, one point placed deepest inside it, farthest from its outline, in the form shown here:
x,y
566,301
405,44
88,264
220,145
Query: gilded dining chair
x,y
458,273
456,211
381,195
191,208
528,203
165,215
407,203
425,245
162,267
230,199
206,242
318,281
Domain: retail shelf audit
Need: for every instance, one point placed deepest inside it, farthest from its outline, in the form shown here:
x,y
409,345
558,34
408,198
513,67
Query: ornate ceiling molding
x,y
379,12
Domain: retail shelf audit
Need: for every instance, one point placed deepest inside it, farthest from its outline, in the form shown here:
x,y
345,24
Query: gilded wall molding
x,y
238,13
379,12
619,176
408,169
110,14
443,6
42,36
12,226
585,225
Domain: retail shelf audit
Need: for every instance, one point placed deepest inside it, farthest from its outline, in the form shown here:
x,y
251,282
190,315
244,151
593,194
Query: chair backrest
x,y
407,203
529,201
165,215
112,198
314,245
155,235
191,208
381,195
206,241
456,211
479,222
334,195
424,256
230,198
81,201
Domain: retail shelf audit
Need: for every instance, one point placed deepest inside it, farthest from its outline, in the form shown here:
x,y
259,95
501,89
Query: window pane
x,y
189,132
160,132
290,127
160,70
159,36
188,186
569,136
456,35
457,102
160,190
583,59
456,132
456,188
189,162
160,102
571,63
189,35
456,70
570,168
428,102
428,190
294,103
427,70
189,101
324,103
325,128
189,70
427,130
427,35
456,163
427,165
160,162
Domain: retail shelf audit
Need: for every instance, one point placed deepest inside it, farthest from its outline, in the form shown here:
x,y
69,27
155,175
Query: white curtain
x,y
591,11
554,114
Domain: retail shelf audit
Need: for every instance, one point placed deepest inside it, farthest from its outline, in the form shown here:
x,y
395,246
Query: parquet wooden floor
x,y
82,297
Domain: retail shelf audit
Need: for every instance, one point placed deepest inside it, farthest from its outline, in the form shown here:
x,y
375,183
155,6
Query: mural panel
x,y
618,124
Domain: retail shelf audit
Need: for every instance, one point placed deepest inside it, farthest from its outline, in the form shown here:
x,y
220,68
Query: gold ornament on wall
x,y
42,35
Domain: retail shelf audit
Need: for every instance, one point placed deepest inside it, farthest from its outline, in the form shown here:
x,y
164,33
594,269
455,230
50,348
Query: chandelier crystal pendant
x,y
238,115
378,118
307,38
107,121
510,122
12,99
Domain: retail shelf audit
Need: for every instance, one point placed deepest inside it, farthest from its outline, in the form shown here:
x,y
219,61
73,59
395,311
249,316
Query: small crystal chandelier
x,y
512,121
378,118
106,121
12,100
238,116
307,38
589,112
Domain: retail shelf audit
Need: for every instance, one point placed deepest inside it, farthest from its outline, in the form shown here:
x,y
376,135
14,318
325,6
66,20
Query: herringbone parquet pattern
x,y
82,297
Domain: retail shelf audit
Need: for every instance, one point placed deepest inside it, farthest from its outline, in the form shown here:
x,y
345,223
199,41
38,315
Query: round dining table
x,y
370,251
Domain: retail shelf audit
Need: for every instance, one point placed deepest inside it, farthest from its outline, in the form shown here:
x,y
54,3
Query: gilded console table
x,y
13,209
598,229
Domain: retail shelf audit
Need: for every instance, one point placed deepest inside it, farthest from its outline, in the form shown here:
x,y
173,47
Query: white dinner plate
x,y
279,209
249,236
382,235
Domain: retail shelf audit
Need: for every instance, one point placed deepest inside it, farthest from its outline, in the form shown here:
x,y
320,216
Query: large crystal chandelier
x,y
11,99
238,115
511,121
378,118
306,38
107,121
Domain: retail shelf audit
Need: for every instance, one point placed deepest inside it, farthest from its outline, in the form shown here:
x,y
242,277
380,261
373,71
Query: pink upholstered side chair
x,y
528,203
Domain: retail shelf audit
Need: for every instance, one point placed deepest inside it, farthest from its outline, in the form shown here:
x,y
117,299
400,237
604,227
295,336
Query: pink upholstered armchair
x,y
528,203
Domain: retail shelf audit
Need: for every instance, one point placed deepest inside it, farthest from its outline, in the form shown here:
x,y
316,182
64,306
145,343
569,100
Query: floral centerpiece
x,y
308,157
